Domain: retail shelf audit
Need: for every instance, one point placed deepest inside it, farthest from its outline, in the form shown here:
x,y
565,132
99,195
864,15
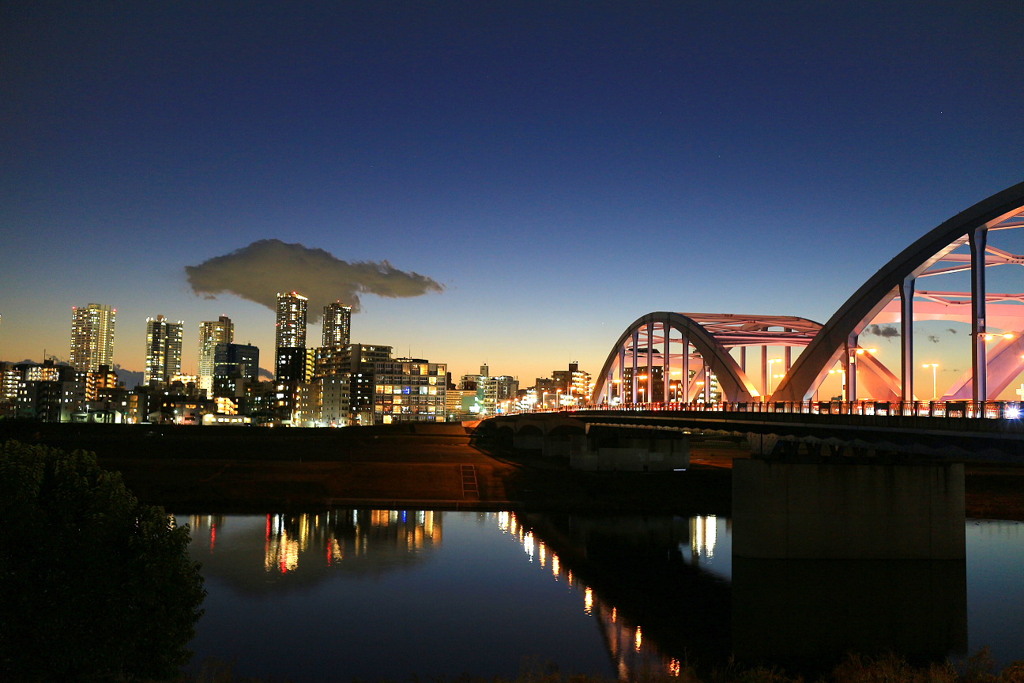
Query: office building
x,y
494,394
163,350
337,325
409,390
335,400
212,333
236,361
458,404
92,337
235,374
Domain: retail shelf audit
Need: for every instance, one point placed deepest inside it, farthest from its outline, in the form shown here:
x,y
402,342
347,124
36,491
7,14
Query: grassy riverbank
x,y
238,469
853,669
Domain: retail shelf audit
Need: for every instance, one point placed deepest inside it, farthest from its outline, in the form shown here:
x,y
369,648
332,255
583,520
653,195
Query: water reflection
x,y
807,615
667,593
655,606
361,541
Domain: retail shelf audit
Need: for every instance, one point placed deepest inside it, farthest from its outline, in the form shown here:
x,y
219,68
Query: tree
x,y
94,585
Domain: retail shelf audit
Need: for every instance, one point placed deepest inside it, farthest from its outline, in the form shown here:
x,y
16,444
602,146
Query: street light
x,y
842,373
768,389
934,367
675,385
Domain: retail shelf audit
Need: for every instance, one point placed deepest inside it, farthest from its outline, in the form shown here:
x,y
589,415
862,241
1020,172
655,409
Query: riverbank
x,y
436,466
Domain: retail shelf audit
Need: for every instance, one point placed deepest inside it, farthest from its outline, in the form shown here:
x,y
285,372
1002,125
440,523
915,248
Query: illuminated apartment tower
x,y
92,337
291,330
163,350
291,321
337,324
211,333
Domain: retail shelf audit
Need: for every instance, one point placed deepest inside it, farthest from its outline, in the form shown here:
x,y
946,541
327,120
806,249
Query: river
x,y
389,594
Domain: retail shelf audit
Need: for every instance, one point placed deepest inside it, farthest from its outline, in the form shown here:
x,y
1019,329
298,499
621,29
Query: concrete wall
x,y
848,511
640,454
529,441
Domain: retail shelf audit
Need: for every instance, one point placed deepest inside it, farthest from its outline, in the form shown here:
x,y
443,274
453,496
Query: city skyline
x,y
509,184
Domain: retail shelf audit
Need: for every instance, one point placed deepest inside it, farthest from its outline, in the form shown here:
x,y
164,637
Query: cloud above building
x,y
260,270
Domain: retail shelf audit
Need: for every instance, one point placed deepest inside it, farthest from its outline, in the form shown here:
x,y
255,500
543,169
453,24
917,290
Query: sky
x,y
509,183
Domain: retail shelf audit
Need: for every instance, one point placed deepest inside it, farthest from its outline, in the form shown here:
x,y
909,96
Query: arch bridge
x,y
676,359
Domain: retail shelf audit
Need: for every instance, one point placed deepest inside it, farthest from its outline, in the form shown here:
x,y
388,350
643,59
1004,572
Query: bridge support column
x,y
979,328
881,545
848,511
907,340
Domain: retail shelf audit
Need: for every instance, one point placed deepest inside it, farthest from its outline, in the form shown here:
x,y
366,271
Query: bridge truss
x,y
686,357
665,357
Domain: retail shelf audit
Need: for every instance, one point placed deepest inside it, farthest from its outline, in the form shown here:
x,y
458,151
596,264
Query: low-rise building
x,y
409,390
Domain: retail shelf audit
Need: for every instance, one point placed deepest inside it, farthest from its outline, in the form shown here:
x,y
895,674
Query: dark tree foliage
x,y
93,585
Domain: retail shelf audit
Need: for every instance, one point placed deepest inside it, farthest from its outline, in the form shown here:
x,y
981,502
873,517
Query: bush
x,y
95,586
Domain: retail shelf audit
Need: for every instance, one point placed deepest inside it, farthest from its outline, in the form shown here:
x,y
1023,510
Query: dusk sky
x,y
509,183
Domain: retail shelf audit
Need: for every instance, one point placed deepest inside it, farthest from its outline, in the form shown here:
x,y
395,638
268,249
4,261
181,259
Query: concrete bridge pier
x,y
840,557
848,510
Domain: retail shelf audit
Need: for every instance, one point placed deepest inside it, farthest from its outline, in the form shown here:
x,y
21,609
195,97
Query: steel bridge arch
x,y
1004,209
711,335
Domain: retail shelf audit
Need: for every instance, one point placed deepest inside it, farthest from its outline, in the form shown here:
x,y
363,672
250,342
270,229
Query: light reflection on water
x,y
378,594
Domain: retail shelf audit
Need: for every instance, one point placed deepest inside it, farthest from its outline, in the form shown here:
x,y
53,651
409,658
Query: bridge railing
x,y
995,410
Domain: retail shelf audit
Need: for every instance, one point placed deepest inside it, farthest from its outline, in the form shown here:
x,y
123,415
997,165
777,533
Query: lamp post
x,y
934,367
842,373
771,361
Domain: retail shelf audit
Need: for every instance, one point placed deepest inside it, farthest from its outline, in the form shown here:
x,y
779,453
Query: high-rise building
x,y
294,365
212,333
291,324
337,324
291,321
163,350
92,337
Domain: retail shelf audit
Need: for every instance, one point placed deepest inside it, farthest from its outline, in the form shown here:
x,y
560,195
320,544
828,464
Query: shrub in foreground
x,y
95,585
